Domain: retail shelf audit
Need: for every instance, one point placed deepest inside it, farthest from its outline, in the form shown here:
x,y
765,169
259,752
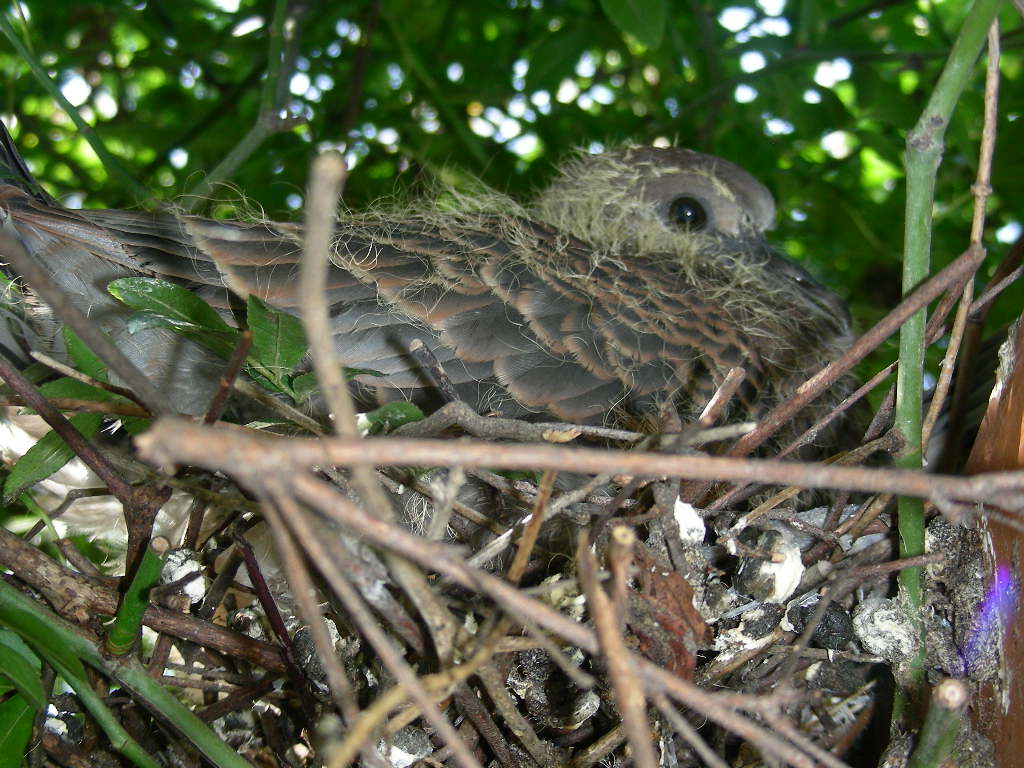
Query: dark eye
x,y
687,213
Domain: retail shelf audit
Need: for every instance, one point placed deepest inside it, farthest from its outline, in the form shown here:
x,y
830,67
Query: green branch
x,y
924,152
66,647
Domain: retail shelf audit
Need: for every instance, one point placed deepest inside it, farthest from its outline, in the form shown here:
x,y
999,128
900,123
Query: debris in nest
x,y
774,574
834,631
884,629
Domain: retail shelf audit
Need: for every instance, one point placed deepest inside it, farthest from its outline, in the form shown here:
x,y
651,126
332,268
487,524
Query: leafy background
x,y
812,96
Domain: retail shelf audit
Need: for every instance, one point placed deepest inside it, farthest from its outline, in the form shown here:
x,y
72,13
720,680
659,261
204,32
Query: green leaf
x,y
643,19
76,390
162,304
222,343
84,358
23,674
32,624
16,716
47,456
277,336
555,57
389,417
174,302
303,386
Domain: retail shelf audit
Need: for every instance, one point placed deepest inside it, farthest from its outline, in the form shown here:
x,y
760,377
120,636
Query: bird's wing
x,y
511,299
528,308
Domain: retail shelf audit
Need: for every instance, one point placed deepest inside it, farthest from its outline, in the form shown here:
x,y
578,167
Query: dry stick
x,y
220,397
140,504
597,751
254,462
431,366
75,405
494,685
176,440
444,504
439,684
71,373
629,694
993,289
982,189
361,616
492,681
722,397
532,531
966,375
962,266
327,181
620,558
79,598
500,543
274,405
460,414
688,732
878,423
497,690
847,403
78,443
479,717
787,728
303,591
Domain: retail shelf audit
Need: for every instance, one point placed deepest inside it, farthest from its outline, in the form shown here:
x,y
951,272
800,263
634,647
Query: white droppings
x,y
691,524
884,629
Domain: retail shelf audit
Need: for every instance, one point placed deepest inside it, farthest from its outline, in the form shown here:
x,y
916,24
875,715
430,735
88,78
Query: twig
x,y
176,440
629,695
368,626
326,184
982,189
964,265
283,30
688,732
140,503
71,373
81,598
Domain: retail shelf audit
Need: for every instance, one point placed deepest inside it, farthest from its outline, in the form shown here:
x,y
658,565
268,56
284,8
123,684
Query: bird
x,y
637,278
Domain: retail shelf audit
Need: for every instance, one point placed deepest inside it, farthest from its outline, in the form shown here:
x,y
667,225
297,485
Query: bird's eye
x,y
687,213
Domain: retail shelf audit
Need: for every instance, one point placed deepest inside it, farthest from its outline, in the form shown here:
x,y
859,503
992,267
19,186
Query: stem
x,y
941,726
924,152
128,621
66,646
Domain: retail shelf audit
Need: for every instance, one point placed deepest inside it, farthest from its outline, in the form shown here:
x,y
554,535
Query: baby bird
x,y
637,278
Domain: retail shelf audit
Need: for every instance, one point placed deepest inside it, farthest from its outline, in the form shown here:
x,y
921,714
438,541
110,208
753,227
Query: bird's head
x,y
708,218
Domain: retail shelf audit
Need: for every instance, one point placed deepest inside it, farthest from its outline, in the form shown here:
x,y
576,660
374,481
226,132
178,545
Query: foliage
x,y
813,98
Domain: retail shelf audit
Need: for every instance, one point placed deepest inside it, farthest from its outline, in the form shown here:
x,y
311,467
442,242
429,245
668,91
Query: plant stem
x,y
924,152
